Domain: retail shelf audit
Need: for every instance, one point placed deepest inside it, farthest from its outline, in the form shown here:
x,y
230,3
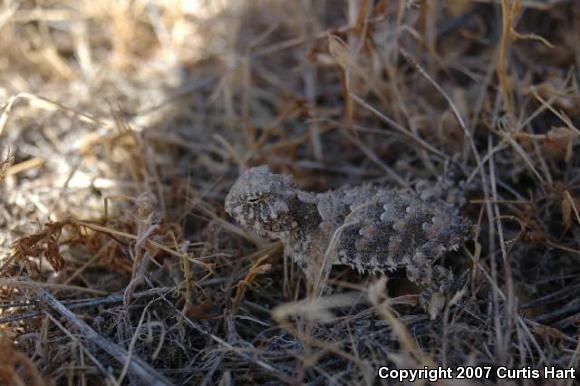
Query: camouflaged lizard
x,y
369,228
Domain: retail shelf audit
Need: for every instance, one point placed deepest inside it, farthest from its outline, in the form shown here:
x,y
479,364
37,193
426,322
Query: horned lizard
x,y
367,227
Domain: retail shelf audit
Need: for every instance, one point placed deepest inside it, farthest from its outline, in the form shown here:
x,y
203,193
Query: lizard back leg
x,y
439,282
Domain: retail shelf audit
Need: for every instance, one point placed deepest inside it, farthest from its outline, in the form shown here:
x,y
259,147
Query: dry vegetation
x,y
124,123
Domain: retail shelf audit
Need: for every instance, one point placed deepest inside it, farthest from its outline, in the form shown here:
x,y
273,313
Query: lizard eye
x,y
253,200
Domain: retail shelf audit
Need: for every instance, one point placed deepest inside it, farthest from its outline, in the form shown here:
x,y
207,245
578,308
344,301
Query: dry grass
x,y
124,123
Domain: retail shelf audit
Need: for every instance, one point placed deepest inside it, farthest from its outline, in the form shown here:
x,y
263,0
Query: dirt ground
x,y
124,123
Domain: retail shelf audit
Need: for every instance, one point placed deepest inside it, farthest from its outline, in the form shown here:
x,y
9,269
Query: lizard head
x,y
262,201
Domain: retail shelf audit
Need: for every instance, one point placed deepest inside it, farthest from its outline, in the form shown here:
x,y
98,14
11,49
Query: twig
x,y
130,236
396,126
33,284
251,359
98,364
509,298
373,157
136,367
310,79
85,303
